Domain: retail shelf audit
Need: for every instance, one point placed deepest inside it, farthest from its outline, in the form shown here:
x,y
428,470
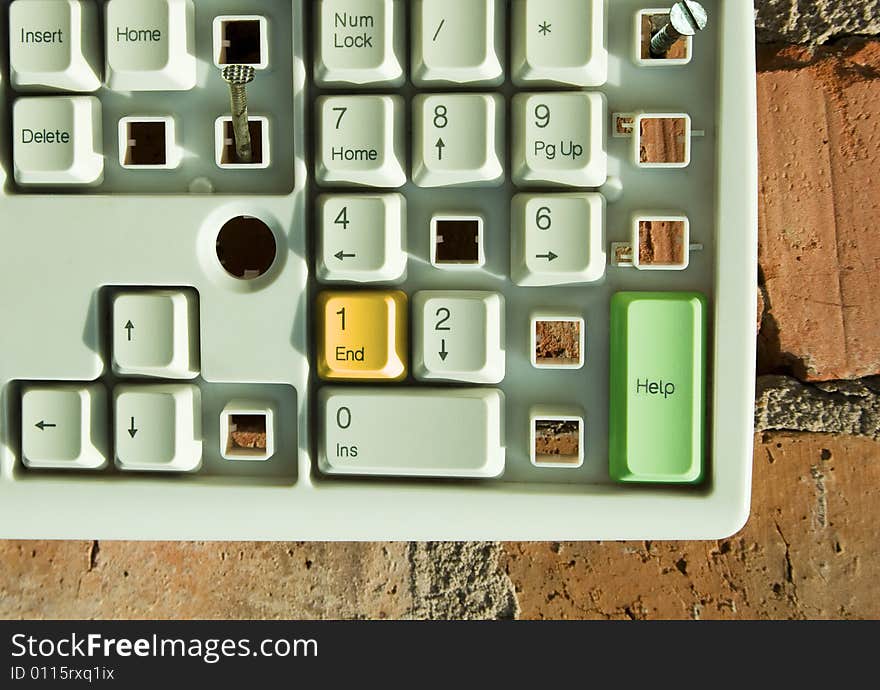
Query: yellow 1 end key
x,y
658,387
362,335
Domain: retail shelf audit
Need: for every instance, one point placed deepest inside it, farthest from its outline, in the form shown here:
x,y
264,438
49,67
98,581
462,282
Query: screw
x,y
238,76
686,18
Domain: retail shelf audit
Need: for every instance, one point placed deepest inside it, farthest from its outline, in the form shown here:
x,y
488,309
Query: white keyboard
x,y
460,269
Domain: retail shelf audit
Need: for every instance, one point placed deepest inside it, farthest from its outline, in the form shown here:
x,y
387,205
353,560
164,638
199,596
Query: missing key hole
x,y
246,247
148,142
558,343
247,432
241,40
457,242
228,155
557,442
663,141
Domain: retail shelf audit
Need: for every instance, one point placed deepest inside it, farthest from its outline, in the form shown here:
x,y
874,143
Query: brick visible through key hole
x,y
247,431
651,24
662,140
458,241
661,243
557,342
557,441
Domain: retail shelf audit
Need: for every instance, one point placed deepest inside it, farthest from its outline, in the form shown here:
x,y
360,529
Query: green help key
x,y
658,387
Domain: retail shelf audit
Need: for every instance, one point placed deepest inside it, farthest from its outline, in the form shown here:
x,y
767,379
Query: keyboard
x,y
376,269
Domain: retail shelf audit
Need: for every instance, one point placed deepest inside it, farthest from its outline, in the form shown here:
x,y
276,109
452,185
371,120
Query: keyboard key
x,y
57,140
359,42
155,333
458,336
658,387
361,141
54,44
458,42
361,238
150,45
458,140
448,432
559,139
64,427
158,427
557,239
362,335
559,42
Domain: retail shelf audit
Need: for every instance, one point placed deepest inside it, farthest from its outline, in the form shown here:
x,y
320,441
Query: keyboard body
x,y
68,252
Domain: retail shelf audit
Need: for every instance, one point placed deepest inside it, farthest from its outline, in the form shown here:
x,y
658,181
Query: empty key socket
x,y
556,437
241,40
224,143
662,140
660,242
148,142
649,22
457,241
557,342
247,431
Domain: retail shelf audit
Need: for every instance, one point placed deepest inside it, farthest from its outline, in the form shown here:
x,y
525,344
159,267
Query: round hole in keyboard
x,y
246,247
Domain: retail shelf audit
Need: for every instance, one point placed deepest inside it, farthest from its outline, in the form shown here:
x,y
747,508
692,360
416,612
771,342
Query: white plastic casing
x,y
258,333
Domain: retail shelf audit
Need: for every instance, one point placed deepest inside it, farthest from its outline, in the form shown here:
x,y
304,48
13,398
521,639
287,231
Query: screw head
x,y
688,17
238,74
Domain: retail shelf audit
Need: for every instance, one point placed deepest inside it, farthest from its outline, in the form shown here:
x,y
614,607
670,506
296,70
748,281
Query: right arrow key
x,y
557,239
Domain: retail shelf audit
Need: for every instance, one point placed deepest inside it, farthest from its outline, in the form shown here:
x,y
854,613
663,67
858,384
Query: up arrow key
x,y
128,327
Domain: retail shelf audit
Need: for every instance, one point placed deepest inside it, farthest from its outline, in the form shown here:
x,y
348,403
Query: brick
x,y
808,550
184,580
819,248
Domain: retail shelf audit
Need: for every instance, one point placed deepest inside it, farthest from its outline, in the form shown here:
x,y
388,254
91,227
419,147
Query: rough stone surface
x,y
843,407
460,580
819,247
808,551
815,21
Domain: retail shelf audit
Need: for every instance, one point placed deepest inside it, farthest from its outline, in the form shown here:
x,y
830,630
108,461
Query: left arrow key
x,y
64,426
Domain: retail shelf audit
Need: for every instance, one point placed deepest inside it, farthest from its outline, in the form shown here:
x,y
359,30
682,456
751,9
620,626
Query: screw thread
x,y
240,127
663,40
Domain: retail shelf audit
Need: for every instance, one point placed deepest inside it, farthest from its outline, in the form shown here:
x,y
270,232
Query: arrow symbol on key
x,y
443,353
132,430
41,425
440,146
549,256
129,326
342,255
